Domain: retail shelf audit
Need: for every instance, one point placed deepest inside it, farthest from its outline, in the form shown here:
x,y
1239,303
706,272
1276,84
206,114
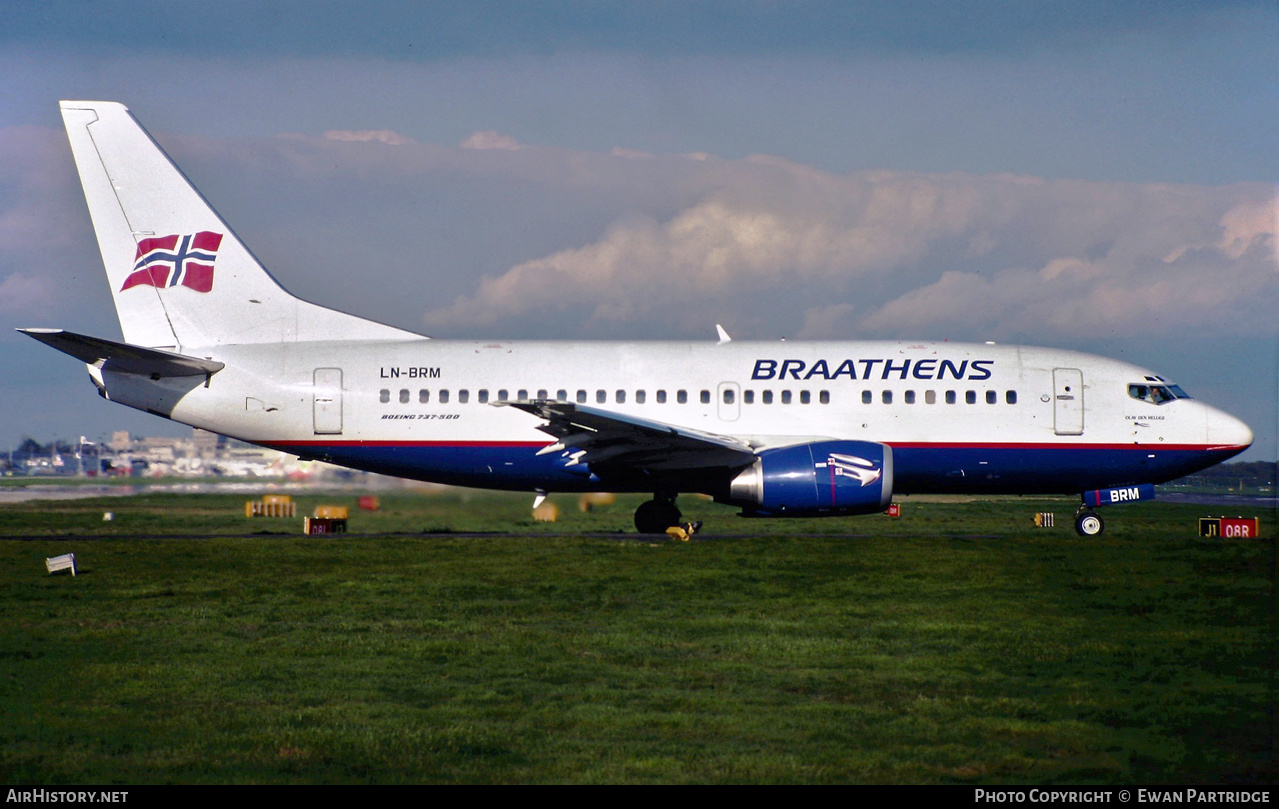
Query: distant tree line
x,y
30,448
1251,474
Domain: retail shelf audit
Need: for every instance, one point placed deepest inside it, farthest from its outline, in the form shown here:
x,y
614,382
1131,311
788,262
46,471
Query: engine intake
x,y
825,478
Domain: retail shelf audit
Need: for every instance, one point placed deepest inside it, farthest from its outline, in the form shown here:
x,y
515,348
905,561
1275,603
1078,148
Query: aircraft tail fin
x,y
178,274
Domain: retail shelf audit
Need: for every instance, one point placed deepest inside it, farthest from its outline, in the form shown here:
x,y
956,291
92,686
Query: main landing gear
x,y
1087,523
658,514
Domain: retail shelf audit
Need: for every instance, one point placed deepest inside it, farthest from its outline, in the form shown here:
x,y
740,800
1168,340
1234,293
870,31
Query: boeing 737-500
x,y
778,429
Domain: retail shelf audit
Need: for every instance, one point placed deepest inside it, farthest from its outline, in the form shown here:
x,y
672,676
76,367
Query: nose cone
x,y
1227,432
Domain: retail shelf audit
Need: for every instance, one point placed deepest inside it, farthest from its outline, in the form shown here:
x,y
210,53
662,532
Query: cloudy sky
x,y
1091,175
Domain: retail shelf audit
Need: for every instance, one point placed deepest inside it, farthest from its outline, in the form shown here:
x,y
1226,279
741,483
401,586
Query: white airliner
x,y
776,428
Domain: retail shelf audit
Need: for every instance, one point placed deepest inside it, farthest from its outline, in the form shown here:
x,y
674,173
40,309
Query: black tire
x,y
655,516
1088,524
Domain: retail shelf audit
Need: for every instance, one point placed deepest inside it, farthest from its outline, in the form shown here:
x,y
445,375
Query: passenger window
x,y
824,397
768,396
970,397
930,397
805,397
404,396
706,397
484,396
639,397
728,396
1011,397
463,396
600,397
384,396
748,396
867,397
560,395
423,396
661,397
444,397
991,397
887,396
581,397
620,397
681,397
785,397
910,397
950,397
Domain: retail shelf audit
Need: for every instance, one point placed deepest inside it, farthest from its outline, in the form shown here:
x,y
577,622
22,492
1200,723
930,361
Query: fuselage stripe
x,y
894,444
472,444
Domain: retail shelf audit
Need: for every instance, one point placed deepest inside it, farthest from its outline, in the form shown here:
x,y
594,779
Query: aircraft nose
x,y
1224,430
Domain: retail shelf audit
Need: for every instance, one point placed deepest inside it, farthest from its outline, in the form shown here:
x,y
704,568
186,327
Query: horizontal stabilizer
x,y
125,358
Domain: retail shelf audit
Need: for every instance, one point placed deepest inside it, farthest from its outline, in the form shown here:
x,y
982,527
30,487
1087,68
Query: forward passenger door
x,y
1068,401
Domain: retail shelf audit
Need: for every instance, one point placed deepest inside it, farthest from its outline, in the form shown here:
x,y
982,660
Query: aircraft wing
x,y
602,438
129,359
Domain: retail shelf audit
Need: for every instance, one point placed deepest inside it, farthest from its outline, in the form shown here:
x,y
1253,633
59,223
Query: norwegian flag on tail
x,y
170,261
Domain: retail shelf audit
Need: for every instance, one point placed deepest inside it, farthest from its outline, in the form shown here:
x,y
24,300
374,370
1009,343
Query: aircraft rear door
x,y
326,401
1068,401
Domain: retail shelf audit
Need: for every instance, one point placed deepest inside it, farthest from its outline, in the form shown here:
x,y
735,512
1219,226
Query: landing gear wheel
x,y
1088,524
655,516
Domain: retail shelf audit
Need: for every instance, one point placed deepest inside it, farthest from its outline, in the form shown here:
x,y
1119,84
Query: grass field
x,y
956,644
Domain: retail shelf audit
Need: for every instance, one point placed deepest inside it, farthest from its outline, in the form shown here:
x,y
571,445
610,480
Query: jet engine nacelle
x,y
819,479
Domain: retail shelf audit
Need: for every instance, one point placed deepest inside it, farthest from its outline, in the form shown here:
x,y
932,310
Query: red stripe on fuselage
x,y
1059,445
318,443
894,444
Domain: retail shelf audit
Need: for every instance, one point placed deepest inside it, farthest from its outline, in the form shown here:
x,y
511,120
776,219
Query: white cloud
x,y
37,184
901,254
827,322
654,246
489,139
49,261
1221,287
1250,224
387,136
24,294
757,224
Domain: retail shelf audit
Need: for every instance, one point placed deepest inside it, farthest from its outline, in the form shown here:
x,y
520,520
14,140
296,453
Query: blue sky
x,y
1034,172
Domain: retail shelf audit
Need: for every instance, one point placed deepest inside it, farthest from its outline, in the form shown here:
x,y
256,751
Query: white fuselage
x,y
781,429
959,417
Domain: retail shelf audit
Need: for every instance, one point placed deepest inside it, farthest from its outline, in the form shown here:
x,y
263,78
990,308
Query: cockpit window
x,y
1156,394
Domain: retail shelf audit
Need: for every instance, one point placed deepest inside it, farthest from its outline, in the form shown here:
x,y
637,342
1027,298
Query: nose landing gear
x,y
1088,523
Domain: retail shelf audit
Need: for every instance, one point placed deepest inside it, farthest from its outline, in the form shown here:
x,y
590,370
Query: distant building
x,y
204,454
120,440
206,444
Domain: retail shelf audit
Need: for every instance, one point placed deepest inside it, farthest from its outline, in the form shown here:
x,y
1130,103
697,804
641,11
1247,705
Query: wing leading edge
x,y
604,439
